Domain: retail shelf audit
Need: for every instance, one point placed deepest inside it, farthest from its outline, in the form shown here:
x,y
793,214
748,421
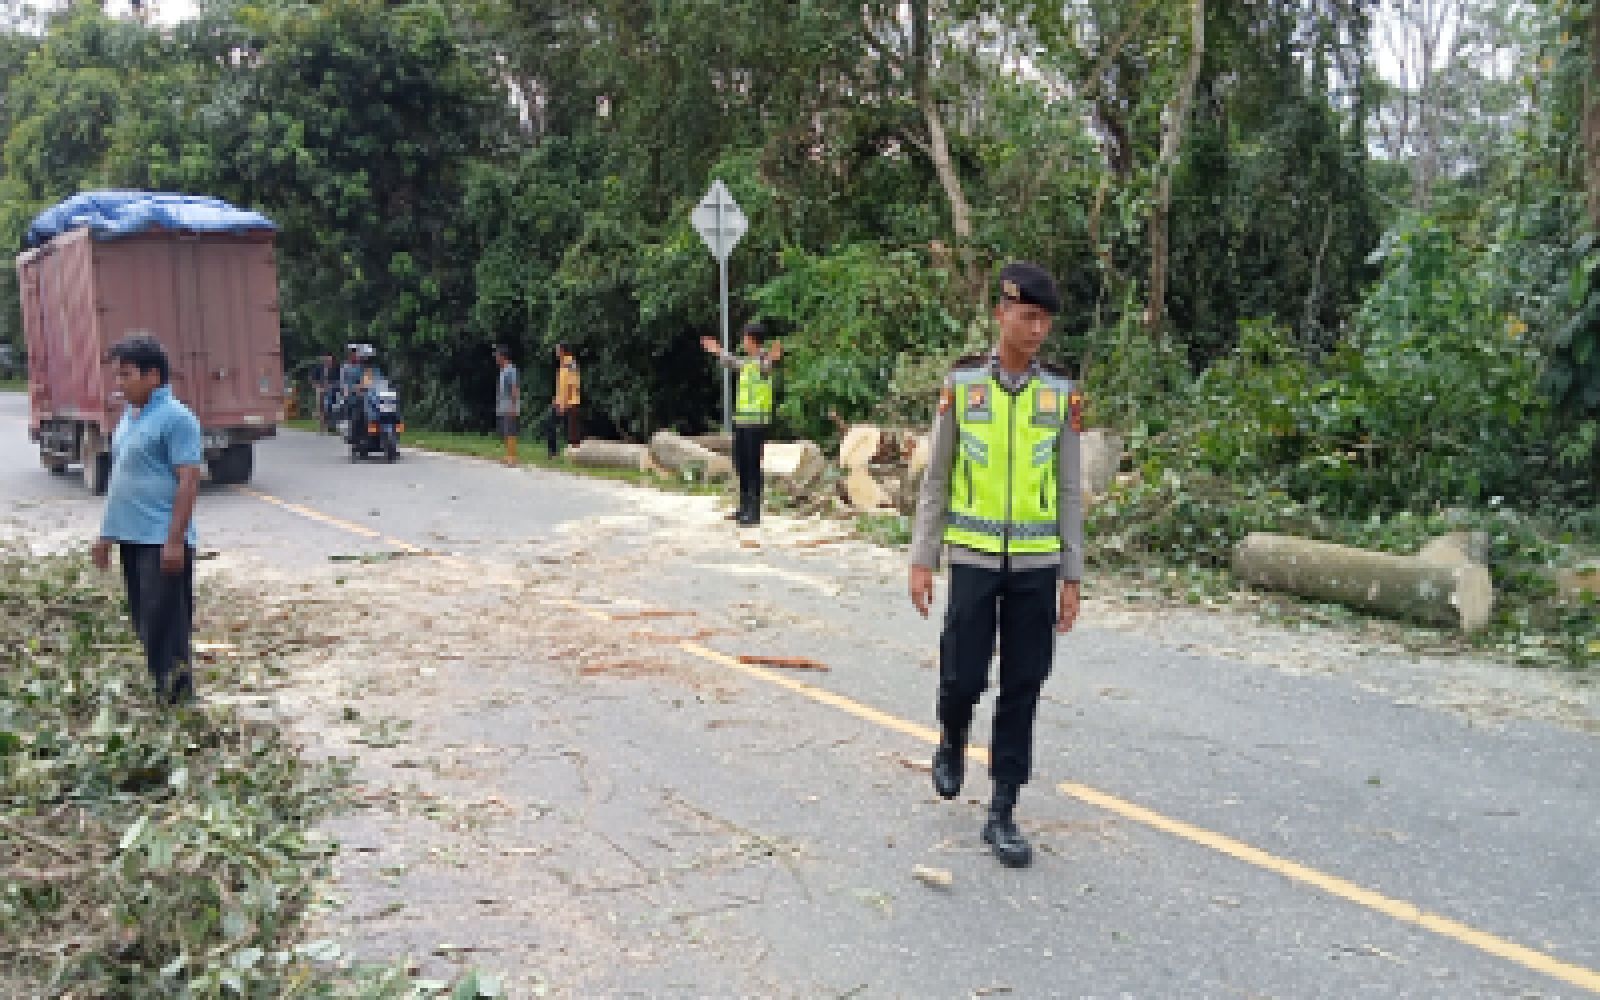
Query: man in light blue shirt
x,y
156,454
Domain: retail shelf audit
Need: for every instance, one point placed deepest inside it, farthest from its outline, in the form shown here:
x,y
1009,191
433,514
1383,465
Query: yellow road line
x,y
333,522
1398,910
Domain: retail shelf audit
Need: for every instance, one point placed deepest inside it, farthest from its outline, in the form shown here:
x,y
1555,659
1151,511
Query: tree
x,y
1175,125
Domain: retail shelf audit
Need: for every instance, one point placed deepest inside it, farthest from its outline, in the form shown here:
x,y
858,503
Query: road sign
x,y
720,221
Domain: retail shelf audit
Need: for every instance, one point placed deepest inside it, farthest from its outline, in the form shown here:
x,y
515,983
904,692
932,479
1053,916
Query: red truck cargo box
x,y
210,298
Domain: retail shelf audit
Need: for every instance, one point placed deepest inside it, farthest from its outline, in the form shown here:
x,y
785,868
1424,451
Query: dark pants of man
x,y
162,608
1022,607
554,424
748,441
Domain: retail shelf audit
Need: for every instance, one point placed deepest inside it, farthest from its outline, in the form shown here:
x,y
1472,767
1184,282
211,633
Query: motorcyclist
x,y
349,383
359,377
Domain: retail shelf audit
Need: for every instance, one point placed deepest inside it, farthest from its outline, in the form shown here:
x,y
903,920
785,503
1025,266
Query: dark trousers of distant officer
x,y
1022,606
748,442
161,606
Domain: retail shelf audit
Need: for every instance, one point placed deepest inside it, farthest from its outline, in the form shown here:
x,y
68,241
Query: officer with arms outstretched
x,y
1002,496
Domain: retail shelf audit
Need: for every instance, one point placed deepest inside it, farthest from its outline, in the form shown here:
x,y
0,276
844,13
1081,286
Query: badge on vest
x,y
1047,408
977,407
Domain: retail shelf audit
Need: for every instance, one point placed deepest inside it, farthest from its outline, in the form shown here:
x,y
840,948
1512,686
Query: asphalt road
x,y
1208,825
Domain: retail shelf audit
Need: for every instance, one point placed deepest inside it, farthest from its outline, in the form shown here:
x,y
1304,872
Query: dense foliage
x,y
1287,270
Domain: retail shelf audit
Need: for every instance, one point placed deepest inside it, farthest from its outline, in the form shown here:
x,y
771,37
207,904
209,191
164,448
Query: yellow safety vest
x,y
754,405
1003,482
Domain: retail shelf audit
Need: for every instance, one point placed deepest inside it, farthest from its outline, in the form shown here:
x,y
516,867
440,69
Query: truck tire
x,y
234,466
97,472
95,459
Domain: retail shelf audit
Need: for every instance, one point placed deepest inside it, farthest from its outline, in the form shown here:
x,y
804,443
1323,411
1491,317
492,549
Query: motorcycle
x,y
375,422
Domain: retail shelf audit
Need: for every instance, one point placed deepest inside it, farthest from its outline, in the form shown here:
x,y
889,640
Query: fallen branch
x,y
784,663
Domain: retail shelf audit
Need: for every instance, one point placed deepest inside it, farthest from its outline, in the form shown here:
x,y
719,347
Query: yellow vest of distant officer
x,y
754,405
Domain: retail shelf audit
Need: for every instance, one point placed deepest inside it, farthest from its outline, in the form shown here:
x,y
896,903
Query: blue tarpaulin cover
x,y
111,214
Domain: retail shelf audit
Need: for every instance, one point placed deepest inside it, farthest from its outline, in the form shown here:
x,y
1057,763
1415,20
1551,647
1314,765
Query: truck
x,y
197,274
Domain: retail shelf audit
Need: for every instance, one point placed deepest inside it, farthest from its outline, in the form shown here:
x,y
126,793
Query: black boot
x,y
950,763
1001,833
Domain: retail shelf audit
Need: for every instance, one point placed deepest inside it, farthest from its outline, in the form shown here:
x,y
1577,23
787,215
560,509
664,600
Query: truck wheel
x,y
234,466
97,473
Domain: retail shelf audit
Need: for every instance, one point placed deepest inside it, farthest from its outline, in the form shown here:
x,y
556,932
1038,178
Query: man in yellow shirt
x,y
564,408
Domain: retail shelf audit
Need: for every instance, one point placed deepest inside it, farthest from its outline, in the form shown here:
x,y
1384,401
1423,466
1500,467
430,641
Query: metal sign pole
x,y
721,223
727,376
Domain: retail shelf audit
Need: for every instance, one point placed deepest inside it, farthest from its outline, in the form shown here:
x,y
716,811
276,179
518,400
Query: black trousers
x,y
553,426
1022,607
162,609
748,441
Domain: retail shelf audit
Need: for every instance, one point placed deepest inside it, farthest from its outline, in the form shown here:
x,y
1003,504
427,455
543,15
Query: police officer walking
x,y
752,411
1002,497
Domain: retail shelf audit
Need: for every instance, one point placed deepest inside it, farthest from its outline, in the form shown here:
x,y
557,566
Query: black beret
x,y
1031,284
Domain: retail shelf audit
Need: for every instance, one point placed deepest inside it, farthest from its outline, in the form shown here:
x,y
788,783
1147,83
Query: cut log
x,y
859,446
865,493
722,444
1459,596
919,451
597,454
1458,548
677,454
794,465
1574,583
1100,456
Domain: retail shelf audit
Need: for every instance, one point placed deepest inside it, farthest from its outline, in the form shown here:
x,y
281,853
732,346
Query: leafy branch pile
x,y
1428,418
146,852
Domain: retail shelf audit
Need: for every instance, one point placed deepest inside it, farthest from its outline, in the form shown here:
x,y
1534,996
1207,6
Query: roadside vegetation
x,y
146,852
1314,294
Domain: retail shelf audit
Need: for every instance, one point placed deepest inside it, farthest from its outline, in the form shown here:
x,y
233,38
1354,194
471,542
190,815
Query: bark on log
x,y
1458,548
794,465
722,444
597,454
678,454
1401,586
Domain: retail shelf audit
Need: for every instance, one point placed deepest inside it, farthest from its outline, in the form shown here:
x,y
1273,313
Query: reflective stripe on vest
x,y
1004,479
754,405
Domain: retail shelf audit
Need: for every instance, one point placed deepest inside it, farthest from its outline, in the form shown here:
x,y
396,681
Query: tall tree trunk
x,y
1171,144
938,143
1591,119
949,179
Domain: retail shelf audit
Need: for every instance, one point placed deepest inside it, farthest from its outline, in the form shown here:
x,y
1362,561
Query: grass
x,y
13,385
530,454
148,851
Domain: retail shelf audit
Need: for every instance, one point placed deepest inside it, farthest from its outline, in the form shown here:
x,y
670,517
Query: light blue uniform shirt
x,y
147,448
